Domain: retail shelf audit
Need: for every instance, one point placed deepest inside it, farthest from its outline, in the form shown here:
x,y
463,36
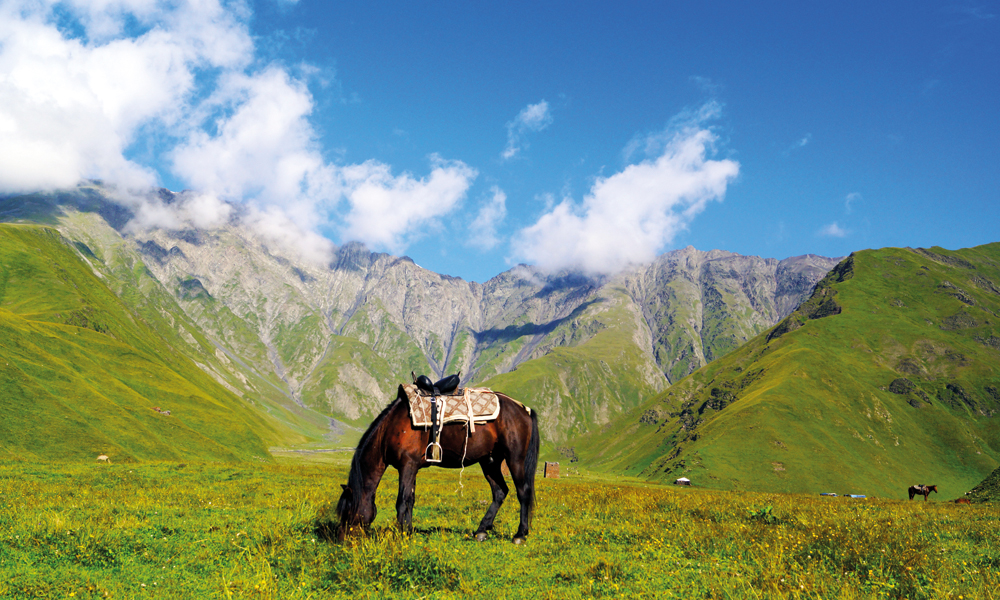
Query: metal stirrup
x,y
434,448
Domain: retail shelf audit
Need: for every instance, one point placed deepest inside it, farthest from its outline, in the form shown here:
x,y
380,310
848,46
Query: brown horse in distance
x,y
916,490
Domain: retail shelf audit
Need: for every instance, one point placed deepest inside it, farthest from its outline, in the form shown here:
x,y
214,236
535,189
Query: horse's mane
x,y
372,437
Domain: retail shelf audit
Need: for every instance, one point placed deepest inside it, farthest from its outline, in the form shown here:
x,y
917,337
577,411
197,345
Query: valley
x,y
730,370
324,346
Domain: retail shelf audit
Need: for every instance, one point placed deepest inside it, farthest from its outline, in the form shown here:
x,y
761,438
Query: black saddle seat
x,y
443,386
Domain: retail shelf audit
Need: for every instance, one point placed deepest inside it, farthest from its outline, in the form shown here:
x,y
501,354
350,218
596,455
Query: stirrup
x,y
435,452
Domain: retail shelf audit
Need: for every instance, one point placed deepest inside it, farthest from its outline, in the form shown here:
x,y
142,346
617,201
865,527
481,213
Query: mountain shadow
x,y
513,332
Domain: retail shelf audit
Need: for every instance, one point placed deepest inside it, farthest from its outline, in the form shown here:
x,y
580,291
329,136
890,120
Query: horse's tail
x,y
531,463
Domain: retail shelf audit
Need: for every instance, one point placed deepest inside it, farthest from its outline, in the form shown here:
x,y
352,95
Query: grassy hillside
x,y
888,376
235,357
81,373
988,490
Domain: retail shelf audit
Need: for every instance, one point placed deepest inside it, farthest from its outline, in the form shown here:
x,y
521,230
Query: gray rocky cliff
x,y
337,338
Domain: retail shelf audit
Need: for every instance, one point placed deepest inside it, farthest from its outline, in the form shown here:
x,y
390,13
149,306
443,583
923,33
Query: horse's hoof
x,y
518,541
481,536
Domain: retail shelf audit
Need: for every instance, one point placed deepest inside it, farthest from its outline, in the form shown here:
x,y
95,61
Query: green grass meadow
x,y
197,530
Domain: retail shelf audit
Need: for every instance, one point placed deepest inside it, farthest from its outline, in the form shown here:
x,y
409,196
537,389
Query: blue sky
x,y
575,135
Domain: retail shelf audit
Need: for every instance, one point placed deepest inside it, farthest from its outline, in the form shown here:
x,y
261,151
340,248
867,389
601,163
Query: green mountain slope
x,y
82,374
988,489
320,347
247,372
889,375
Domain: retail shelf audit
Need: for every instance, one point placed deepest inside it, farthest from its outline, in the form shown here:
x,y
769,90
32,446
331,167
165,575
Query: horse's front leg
x,y
407,492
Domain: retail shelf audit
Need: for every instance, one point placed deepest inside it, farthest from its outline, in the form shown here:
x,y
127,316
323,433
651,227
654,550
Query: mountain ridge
x,y
328,343
885,377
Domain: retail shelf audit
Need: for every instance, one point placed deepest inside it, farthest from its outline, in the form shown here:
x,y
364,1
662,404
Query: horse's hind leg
x,y
525,487
491,470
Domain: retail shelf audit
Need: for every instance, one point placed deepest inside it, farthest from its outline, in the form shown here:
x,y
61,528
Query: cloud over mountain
x,y
85,87
389,212
833,230
628,217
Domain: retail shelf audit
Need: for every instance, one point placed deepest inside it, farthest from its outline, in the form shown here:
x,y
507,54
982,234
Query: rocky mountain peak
x,y
337,338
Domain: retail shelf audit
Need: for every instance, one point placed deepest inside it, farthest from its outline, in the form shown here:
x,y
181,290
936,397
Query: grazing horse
x,y
391,440
922,489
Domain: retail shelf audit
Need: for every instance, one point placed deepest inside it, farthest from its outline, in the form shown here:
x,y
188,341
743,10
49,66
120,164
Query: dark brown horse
x,y
391,440
916,490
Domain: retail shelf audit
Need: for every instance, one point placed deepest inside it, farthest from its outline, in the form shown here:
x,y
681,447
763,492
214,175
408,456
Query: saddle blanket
x,y
473,405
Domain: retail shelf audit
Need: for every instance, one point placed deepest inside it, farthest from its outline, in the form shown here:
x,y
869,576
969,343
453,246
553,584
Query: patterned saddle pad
x,y
473,405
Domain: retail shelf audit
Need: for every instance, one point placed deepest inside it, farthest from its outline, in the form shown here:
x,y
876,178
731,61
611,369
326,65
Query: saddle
x,y
434,405
441,387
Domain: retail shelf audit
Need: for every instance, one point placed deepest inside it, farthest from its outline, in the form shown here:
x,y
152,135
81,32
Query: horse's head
x,y
355,513
932,488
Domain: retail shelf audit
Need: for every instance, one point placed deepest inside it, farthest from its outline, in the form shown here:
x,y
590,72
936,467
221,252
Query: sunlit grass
x,y
225,531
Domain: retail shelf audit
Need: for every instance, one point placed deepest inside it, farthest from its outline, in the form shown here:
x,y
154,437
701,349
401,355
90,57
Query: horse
x,y
391,440
922,489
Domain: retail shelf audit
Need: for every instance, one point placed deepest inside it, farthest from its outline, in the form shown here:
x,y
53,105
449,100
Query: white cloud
x,y
391,212
289,236
802,142
206,211
706,85
657,143
850,200
833,230
80,81
629,217
71,106
534,117
264,148
483,229
187,210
